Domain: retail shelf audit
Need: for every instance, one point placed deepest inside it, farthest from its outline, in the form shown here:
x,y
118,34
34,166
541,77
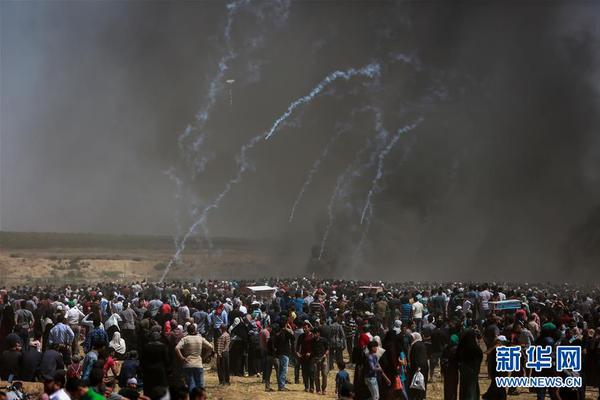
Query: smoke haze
x,y
502,175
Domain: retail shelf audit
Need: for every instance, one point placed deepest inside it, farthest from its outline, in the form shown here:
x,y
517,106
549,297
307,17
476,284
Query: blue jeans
x,y
194,377
283,366
373,388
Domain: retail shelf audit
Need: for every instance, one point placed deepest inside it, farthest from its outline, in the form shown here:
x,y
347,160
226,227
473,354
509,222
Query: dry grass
x,y
252,388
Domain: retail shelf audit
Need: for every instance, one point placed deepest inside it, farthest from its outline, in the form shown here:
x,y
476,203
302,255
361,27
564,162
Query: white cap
x,y
502,338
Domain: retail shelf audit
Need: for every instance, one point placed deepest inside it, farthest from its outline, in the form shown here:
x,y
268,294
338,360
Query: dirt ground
x,y
252,388
43,258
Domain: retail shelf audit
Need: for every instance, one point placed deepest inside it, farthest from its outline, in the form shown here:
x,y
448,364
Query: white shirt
x,y
73,315
417,309
112,320
485,297
60,395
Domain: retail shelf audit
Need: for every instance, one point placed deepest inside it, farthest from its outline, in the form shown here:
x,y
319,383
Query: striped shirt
x,y
223,343
61,334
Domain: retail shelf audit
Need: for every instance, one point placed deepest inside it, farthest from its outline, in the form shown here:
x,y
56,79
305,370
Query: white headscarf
x,y
117,343
416,338
380,349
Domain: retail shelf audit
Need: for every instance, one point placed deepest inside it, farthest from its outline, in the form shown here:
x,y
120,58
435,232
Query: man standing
x,y
303,352
337,343
74,316
282,341
223,356
24,324
62,336
52,361
129,317
484,300
417,312
263,344
189,351
320,351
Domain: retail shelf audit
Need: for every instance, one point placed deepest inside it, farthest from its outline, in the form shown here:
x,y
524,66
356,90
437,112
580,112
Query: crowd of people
x,y
384,341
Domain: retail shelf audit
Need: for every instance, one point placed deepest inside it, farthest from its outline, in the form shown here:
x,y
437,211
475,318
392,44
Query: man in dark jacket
x,y
154,362
282,341
51,362
30,364
320,351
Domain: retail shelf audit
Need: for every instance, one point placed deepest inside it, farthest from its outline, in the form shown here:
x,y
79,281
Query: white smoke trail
x,y
369,71
342,189
178,197
196,157
380,163
315,169
215,85
364,233
336,193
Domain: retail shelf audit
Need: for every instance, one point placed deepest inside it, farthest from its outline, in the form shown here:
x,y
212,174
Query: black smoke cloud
x,y
498,182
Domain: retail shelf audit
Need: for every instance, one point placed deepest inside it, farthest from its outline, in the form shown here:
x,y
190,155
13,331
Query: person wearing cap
x,y
130,391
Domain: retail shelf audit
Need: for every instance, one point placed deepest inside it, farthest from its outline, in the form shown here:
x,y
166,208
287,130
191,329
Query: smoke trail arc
x,y
380,163
370,71
222,66
336,191
314,170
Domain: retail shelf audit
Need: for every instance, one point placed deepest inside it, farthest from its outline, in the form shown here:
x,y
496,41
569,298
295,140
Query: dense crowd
x,y
146,340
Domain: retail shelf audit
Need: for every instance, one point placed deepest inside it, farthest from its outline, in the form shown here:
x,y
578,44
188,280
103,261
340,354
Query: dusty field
x,y
66,258
252,388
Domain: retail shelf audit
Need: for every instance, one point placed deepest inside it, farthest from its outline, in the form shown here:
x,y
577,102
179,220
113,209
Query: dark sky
x,y
503,169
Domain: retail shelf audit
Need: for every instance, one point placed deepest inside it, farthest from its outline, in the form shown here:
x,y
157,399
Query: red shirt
x,y
305,343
